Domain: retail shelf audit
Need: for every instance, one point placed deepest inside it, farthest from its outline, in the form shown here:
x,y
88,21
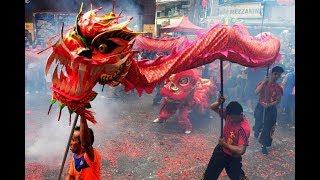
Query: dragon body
x,y
99,49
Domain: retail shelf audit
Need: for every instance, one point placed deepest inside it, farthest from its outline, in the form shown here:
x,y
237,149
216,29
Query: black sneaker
x,y
264,150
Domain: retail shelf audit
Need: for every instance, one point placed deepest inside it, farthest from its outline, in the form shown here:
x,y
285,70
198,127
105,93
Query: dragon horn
x,y
78,18
81,7
91,9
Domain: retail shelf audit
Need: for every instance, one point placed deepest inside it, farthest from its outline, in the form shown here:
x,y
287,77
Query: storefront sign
x,y
248,10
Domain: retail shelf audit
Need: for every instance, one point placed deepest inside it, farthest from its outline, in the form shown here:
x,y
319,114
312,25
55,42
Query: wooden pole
x,y
221,93
68,143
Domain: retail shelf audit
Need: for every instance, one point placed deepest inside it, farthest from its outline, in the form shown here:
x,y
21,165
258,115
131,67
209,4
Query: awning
x,y
183,25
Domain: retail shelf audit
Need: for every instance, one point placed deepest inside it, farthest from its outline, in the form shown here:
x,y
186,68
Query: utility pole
x,y
155,21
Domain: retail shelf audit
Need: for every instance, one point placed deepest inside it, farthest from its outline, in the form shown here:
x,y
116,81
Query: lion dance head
x,y
188,87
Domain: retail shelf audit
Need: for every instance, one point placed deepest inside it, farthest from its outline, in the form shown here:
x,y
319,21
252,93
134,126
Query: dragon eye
x,y
103,48
184,81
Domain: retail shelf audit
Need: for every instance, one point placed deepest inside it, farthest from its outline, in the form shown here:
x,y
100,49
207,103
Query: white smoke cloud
x,y
47,138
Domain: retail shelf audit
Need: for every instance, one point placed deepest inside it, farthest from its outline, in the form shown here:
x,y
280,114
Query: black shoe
x,y
264,150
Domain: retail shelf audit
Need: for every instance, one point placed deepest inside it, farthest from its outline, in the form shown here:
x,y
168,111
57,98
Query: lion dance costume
x,y
98,49
184,92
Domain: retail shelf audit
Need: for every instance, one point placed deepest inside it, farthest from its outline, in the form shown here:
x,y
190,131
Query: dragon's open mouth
x,y
75,79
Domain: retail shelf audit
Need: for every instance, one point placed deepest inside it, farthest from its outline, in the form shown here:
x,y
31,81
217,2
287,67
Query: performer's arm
x,y
260,85
277,101
85,138
237,150
70,175
215,105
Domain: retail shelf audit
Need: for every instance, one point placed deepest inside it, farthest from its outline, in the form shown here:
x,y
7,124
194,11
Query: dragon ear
x,y
81,7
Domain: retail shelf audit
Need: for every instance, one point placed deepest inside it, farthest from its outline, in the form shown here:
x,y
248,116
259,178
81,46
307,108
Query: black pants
x,y
220,160
266,126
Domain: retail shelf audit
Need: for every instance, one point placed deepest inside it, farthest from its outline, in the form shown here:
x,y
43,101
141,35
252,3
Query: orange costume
x,y
81,167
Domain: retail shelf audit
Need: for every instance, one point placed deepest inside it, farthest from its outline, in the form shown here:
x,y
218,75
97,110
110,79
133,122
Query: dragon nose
x,y
86,52
173,87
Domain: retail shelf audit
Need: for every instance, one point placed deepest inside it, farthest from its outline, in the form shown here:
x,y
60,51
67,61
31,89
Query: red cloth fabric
x,y
169,109
183,118
274,91
158,44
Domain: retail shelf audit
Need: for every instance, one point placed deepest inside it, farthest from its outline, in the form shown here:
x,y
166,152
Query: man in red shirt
x,y
265,113
86,161
227,154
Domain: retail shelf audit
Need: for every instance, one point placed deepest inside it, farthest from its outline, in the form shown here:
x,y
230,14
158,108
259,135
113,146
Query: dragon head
x,y
98,49
180,86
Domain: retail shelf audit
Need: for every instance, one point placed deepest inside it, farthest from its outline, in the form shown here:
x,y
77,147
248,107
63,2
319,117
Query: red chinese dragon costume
x,y
184,92
98,49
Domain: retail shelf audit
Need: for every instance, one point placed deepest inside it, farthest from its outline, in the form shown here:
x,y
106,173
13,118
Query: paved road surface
x,y
132,147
